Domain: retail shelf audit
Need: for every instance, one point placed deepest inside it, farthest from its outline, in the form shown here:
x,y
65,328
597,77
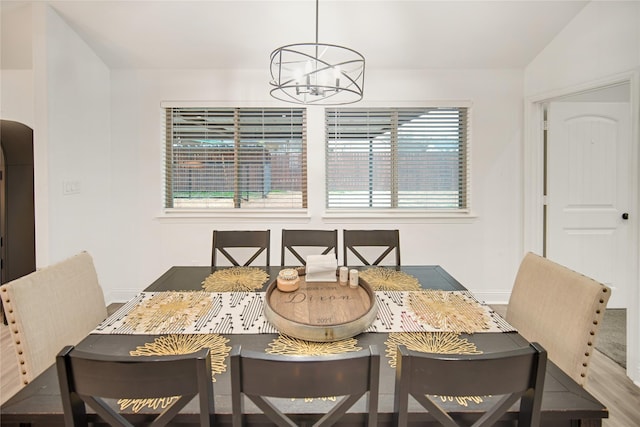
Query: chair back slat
x,y
356,242
89,378
325,241
512,375
479,373
258,241
260,377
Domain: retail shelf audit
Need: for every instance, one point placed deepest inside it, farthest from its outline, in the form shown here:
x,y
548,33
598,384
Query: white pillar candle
x,y
344,276
353,278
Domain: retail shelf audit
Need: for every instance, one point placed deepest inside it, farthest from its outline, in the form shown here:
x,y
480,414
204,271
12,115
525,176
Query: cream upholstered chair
x,y
52,307
559,308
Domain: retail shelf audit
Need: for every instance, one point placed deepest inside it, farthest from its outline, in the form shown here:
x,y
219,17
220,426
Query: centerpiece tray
x,y
321,311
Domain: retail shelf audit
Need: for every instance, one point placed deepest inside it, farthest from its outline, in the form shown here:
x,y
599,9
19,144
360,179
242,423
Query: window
x,y
229,158
400,158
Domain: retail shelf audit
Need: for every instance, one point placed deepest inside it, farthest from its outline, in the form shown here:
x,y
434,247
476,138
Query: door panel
x,y
588,158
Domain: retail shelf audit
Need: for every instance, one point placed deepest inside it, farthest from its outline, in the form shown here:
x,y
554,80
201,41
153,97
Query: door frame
x,y
533,190
3,219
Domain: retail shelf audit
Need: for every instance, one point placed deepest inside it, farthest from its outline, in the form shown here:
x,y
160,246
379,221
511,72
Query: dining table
x,y
189,307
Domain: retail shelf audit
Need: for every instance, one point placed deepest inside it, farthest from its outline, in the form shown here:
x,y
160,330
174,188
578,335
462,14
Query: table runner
x,y
156,313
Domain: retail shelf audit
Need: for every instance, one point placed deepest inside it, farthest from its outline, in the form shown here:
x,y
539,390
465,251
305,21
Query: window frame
x,y
413,214
236,213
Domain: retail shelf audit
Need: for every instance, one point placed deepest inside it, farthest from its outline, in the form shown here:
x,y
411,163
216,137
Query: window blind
x,y
235,158
404,158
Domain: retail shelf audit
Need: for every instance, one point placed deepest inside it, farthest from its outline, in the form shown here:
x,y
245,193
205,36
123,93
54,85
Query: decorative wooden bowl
x,y
321,311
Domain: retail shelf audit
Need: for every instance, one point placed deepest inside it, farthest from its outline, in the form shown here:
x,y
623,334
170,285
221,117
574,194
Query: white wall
x,y
600,44
54,83
483,252
603,40
16,73
16,96
16,36
72,135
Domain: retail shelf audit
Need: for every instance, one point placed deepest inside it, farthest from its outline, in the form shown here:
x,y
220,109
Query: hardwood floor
x,y
607,382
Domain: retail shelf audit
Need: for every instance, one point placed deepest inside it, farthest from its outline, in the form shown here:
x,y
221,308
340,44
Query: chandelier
x,y
317,73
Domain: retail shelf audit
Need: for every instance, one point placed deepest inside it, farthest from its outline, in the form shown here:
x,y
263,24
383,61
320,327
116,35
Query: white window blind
x,y
235,158
404,158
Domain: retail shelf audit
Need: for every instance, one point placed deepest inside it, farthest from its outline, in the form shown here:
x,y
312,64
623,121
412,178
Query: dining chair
x,y
559,308
52,307
321,240
256,242
261,377
501,378
357,242
87,379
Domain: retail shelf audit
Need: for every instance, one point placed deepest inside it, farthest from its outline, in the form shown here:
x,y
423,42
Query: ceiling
x,y
240,34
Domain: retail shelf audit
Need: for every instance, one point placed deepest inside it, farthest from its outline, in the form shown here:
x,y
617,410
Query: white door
x,y
588,192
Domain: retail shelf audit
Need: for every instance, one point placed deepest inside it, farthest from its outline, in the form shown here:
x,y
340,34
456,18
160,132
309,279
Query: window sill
x,y
236,215
330,216
393,215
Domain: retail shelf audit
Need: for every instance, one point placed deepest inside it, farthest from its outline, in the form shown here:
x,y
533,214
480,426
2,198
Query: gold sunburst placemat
x,y
462,400
285,344
169,311
433,342
387,279
449,311
179,344
235,279
428,342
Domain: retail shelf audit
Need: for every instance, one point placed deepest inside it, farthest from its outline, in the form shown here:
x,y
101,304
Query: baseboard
x,y
491,297
120,296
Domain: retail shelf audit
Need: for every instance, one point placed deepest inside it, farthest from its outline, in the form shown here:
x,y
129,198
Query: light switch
x,y
70,187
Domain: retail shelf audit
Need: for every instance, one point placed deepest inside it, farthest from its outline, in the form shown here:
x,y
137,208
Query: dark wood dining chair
x,y
293,240
257,241
261,377
506,376
357,241
89,378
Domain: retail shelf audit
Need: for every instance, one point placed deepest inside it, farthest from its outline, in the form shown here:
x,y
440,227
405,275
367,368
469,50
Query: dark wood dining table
x,y
565,403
